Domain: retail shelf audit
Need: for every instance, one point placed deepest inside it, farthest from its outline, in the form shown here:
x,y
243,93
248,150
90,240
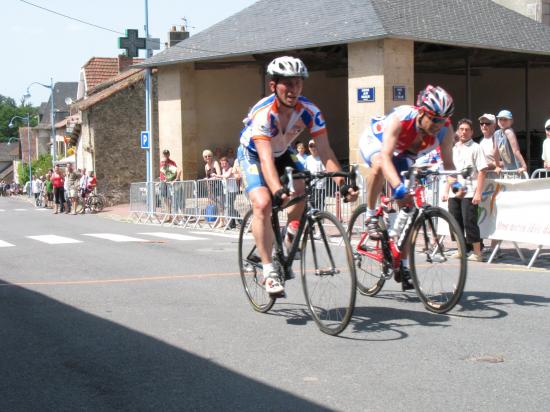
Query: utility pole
x,y
148,105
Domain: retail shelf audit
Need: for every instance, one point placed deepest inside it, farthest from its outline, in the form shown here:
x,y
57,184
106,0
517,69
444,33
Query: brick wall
x,y
113,127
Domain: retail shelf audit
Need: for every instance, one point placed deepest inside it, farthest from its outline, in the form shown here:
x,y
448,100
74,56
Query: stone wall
x,y
112,129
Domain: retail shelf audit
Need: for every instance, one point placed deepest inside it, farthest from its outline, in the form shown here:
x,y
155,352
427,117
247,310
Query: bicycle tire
x,y
429,252
95,204
251,272
337,271
79,205
369,270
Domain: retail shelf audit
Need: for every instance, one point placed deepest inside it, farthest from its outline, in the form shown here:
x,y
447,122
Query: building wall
x,y
223,99
538,10
111,128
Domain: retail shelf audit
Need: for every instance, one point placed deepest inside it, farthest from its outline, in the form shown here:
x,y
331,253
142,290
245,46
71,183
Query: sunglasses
x,y
437,120
548,129
485,124
311,145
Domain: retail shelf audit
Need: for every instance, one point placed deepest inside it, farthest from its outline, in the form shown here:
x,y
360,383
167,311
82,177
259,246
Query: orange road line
x,y
122,280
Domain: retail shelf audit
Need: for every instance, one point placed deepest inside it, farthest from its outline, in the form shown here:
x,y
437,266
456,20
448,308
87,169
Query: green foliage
x,y
23,172
8,109
40,167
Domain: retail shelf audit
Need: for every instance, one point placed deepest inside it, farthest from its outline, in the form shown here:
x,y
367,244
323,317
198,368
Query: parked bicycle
x,y
326,267
429,233
91,203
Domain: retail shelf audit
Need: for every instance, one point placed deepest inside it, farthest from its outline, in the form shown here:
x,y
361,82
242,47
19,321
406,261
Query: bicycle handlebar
x,y
291,174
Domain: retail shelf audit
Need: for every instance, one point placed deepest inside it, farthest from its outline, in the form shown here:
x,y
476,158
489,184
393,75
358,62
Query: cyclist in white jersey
x,y
271,127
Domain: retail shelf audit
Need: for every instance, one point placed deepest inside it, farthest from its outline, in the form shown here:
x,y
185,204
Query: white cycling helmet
x,y
287,66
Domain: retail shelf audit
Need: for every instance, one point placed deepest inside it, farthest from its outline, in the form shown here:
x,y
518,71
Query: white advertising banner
x,y
516,210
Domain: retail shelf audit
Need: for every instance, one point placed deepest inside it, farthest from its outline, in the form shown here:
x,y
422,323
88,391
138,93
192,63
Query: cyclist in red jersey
x,y
392,143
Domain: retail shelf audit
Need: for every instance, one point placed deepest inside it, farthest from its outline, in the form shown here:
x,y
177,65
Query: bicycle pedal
x,y
281,295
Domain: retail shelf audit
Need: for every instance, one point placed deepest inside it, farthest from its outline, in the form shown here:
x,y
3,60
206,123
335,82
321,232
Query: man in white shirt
x,y
488,124
463,206
315,165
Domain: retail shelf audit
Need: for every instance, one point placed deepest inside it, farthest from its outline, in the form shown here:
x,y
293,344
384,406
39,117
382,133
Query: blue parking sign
x,y
145,141
366,94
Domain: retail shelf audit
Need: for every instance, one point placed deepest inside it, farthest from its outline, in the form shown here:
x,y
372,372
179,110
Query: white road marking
x,y
115,237
2,210
41,209
174,236
20,210
54,239
226,235
5,244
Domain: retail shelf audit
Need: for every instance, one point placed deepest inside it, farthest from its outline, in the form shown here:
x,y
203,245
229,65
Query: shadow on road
x,y
56,357
489,305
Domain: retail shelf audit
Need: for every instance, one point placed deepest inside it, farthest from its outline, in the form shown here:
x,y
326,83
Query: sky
x,y
37,45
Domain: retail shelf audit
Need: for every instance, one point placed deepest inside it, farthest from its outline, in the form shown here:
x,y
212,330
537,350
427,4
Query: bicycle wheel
x,y
438,279
367,255
328,273
250,267
96,204
79,205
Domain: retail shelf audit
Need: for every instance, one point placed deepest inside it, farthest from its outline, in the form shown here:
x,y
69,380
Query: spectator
x,y
301,155
211,166
49,190
314,165
546,146
487,123
92,181
463,206
65,206
168,174
230,179
73,187
83,183
36,186
507,155
231,156
58,191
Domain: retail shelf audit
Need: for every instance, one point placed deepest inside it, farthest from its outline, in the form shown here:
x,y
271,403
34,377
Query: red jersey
x,y
57,180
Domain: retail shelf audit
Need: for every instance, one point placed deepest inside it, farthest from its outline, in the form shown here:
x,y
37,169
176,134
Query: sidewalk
x,y
120,213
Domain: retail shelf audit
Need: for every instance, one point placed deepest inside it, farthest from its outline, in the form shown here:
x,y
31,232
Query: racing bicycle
x,y
327,271
431,235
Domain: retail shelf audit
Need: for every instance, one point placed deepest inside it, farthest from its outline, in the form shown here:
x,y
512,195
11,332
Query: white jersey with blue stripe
x,y
262,123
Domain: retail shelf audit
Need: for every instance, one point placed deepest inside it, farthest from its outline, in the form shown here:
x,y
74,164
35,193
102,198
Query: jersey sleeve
x,y
261,126
314,120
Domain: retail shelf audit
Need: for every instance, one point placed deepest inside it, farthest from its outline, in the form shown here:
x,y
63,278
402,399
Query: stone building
x,y
383,49
112,117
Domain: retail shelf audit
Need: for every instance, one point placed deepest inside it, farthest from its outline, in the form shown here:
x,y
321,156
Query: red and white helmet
x,y
287,66
436,101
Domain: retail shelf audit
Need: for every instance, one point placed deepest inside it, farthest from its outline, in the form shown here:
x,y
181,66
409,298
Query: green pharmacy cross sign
x,y
132,43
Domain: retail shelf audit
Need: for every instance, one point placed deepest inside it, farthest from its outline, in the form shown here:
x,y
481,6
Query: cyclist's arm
x,y
328,157
389,141
269,171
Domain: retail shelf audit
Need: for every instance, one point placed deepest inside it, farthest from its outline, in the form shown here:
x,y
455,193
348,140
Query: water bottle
x,y
400,222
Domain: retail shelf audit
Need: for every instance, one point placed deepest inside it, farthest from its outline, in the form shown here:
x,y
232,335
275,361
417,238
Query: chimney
x,y
175,36
124,62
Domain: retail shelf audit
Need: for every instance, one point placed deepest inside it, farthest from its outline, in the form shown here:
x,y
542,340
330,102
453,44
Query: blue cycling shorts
x,y
251,170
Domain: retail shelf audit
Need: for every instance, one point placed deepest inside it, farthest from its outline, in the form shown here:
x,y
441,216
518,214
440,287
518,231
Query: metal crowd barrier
x,y
541,174
218,203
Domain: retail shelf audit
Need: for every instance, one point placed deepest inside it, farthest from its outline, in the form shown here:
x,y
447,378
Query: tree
x,y
8,109
40,167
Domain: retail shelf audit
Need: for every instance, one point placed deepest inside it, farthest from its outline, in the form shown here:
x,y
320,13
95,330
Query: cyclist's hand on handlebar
x,y
281,196
349,193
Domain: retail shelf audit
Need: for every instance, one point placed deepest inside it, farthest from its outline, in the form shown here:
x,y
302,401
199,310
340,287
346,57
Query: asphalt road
x,y
153,323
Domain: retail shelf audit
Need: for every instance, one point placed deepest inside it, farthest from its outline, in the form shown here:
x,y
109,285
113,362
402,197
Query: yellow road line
x,y
122,280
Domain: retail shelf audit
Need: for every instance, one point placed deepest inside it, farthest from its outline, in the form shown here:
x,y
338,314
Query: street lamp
x,y
52,119
27,119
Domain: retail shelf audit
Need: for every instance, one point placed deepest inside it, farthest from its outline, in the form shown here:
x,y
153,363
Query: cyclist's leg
x,y
260,198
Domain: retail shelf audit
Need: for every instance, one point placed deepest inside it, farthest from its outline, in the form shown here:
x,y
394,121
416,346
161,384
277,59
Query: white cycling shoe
x,y
273,285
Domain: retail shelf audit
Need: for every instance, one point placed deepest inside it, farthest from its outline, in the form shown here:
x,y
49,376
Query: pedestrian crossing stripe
x,y
54,239
5,244
114,237
172,236
20,210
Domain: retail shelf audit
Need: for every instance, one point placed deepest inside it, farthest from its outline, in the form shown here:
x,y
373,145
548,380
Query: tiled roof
x,y
107,89
61,90
100,69
9,151
276,25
